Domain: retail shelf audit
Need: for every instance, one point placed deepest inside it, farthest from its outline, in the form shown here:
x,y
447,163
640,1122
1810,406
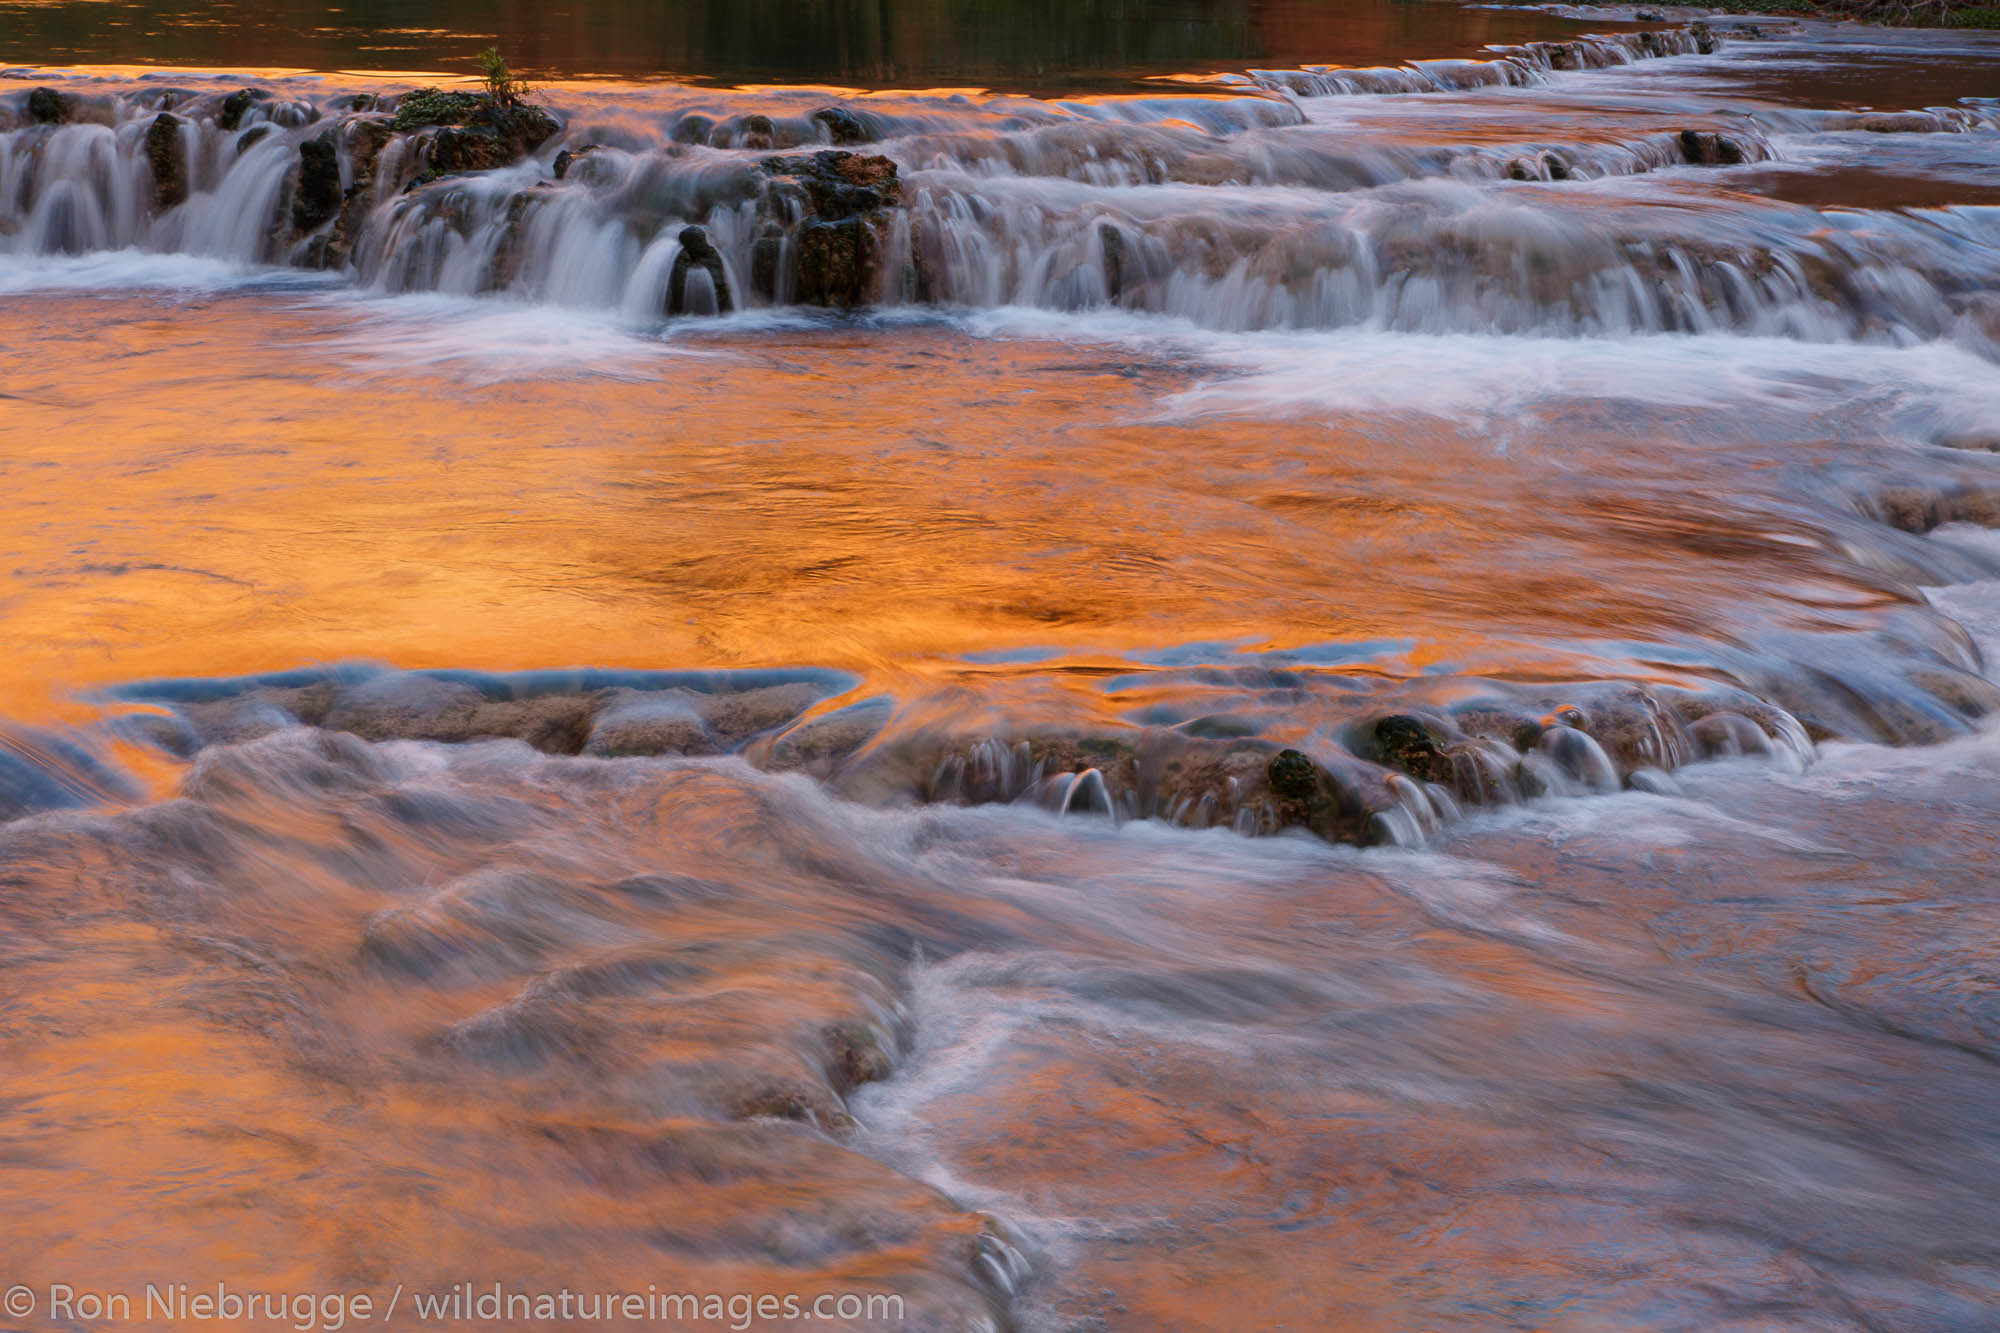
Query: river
x,y
1181,666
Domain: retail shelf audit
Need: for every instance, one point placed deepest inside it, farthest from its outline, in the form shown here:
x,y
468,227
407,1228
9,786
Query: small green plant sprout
x,y
501,85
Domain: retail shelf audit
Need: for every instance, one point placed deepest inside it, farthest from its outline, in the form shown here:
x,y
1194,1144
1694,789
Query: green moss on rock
x,y
435,106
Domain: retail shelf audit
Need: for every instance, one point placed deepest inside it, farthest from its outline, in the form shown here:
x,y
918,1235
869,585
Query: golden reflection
x,y
238,485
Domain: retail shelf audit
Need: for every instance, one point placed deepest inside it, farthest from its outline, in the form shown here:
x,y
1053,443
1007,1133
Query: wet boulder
x,y
649,722
455,150
509,253
416,706
838,263
1343,803
319,196
46,106
473,132
1565,55
752,131
366,139
856,1053
821,744
1292,776
843,126
237,105
494,142
166,154
694,128
1704,149
426,107
734,716
1418,746
1899,122
845,200
1578,757
838,184
1111,244
698,253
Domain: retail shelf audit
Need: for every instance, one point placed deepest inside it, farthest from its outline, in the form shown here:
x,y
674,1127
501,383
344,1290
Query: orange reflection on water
x,y
217,486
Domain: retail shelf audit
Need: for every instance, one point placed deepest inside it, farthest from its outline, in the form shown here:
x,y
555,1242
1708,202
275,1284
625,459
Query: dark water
x,y
1047,46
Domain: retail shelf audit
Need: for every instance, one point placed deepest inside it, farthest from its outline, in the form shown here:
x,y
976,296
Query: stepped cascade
x,y
1190,665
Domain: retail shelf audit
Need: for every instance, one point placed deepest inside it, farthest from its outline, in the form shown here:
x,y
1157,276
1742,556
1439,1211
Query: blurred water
x,y
1421,758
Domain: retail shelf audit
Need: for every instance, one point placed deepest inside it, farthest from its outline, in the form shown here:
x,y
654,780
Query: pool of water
x,y
1016,45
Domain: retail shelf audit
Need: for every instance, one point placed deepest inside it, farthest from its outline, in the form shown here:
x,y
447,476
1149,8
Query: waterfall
x,y
1259,207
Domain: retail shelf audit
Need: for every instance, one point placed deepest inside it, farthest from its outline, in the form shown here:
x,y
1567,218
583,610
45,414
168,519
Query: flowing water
x,y
1278,671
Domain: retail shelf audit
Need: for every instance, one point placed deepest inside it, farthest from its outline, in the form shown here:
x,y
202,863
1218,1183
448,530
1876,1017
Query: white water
x,y
1314,204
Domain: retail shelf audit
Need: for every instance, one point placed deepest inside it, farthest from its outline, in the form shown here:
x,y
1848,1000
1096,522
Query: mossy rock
x,y
1293,776
166,155
1338,805
1415,745
434,106
318,196
238,104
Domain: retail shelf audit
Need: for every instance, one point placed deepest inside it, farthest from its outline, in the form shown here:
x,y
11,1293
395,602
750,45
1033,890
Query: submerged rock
x,y
819,745
49,107
855,1055
646,722
166,154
